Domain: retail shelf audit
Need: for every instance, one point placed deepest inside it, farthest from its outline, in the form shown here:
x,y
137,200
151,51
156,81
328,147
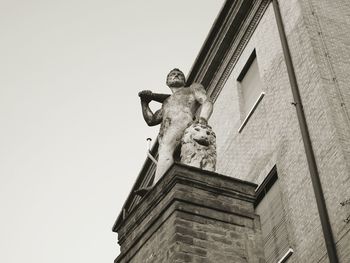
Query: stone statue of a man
x,y
177,111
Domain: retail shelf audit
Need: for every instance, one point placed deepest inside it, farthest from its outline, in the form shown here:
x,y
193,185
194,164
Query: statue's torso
x,y
178,111
182,102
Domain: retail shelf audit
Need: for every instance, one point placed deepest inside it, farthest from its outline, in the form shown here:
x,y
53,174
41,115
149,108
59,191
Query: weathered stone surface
x,y
198,147
192,215
176,113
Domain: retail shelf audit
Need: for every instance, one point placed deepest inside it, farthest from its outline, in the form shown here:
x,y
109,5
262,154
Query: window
x,y
250,88
269,207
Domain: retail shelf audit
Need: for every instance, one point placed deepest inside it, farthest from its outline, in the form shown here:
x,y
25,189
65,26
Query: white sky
x,y
72,136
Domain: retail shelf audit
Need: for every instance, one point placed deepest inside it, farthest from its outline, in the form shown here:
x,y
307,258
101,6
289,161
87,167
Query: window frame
x,y
241,76
260,192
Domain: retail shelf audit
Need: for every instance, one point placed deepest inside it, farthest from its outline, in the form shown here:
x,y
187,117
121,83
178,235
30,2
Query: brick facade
x,y
319,40
193,216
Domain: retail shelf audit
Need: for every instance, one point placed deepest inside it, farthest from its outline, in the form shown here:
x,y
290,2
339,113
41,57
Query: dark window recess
x,y
247,66
250,88
265,186
269,206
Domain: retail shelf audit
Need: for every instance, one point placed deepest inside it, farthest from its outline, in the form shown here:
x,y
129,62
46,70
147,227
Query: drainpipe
x,y
315,178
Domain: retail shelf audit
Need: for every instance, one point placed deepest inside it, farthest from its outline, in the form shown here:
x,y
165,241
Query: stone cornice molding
x,y
217,59
179,173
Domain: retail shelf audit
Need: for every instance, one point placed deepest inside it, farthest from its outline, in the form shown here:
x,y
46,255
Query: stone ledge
x,y
197,178
191,191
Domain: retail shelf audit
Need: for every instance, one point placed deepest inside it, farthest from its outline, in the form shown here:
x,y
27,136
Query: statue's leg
x,y
167,144
165,160
171,133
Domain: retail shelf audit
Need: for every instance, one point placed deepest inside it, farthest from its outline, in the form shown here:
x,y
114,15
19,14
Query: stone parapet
x,y
192,215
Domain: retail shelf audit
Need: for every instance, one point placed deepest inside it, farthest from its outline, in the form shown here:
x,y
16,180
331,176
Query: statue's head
x,y
175,78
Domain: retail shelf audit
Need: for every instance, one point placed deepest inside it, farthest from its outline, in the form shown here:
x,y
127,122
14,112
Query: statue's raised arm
x,y
151,118
148,95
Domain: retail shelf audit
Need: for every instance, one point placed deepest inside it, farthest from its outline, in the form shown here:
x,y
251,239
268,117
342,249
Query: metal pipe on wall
x,y
315,178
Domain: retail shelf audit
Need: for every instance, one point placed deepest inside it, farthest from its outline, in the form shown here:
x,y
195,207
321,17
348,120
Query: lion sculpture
x,y
198,147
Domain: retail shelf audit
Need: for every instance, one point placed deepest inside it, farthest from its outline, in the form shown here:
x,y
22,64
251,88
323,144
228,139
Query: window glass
x,y
251,87
273,221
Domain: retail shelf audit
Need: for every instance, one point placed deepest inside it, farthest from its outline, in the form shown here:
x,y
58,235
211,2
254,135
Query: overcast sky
x,y
72,136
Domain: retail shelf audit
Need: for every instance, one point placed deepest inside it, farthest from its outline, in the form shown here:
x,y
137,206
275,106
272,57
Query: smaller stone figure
x,y
198,146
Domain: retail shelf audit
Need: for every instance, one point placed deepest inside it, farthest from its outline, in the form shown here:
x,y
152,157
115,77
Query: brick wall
x,y
193,216
328,27
272,134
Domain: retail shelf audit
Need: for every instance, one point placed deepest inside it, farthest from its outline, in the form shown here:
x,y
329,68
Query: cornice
x,y
223,47
237,46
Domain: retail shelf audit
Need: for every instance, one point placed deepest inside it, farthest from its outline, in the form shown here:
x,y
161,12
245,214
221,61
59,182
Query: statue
x,y
198,147
176,114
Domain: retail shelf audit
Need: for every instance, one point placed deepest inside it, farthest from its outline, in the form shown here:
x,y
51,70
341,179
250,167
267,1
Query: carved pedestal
x,y
192,215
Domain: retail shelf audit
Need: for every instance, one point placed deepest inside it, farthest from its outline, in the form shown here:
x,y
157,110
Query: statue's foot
x,y
143,191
